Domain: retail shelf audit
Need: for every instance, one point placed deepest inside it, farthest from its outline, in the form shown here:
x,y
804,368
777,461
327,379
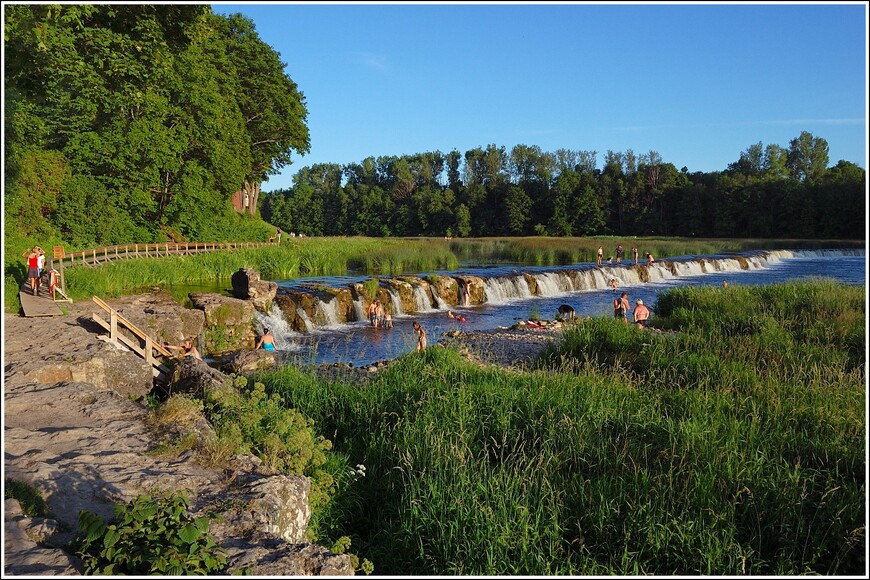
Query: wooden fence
x,y
98,256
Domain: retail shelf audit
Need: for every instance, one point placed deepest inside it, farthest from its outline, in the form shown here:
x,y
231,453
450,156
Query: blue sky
x,y
696,83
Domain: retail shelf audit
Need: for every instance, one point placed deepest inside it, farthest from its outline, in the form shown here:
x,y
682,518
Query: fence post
x,y
113,326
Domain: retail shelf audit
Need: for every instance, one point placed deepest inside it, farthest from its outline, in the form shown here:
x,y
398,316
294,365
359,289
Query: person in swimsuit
x,y
187,349
421,336
600,254
641,314
267,341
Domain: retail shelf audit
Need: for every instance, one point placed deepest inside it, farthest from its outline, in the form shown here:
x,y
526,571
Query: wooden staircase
x,y
146,350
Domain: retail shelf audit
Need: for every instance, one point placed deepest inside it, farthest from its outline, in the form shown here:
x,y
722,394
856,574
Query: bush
x,y
149,536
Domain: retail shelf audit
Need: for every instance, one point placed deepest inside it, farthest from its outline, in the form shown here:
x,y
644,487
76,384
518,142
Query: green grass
x,y
732,444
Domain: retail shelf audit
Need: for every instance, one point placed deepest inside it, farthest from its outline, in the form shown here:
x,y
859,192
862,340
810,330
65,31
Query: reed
x,y
731,444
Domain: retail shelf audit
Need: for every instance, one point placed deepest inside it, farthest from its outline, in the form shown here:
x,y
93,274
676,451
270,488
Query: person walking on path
x,y
421,336
267,341
641,314
32,257
600,255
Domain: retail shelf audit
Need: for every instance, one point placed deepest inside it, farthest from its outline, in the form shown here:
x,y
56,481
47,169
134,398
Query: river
x,y
359,344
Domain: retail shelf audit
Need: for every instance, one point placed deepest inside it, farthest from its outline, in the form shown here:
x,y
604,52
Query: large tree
x,y
273,107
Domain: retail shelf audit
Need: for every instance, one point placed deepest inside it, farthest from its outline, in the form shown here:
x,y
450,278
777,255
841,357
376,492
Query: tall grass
x,y
732,446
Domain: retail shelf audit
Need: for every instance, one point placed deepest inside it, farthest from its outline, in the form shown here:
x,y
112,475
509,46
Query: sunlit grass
x,y
728,445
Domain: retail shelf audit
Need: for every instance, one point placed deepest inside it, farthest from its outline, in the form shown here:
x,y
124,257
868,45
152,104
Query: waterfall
x,y
359,309
327,312
553,283
309,326
502,290
422,303
442,304
274,320
396,301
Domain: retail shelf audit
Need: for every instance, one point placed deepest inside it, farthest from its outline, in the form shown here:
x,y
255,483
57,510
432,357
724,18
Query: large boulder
x,y
248,286
101,363
191,375
246,362
447,288
229,323
160,316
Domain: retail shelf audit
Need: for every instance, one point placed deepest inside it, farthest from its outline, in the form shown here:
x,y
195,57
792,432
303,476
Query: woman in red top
x,y
32,256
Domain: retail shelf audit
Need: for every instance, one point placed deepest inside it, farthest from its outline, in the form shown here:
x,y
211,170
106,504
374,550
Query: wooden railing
x,y
114,325
97,256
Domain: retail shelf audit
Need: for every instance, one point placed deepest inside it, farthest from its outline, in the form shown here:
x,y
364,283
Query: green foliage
x,y
149,535
253,422
32,503
703,450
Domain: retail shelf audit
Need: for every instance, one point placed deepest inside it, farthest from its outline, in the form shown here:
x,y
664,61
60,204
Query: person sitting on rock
x,y
187,349
267,341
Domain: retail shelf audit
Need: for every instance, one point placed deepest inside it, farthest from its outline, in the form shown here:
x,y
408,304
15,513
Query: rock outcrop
x,y
228,323
89,446
248,286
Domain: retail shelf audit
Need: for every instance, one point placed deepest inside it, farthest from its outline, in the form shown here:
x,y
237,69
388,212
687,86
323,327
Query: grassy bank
x,y
337,256
735,445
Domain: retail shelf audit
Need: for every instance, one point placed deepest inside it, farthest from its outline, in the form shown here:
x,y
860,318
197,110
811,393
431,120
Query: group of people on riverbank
x,y
620,254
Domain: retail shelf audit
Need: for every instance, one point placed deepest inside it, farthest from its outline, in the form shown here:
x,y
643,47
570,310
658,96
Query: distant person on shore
x,y
634,253
421,336
267,341
600,255
187,349
641,314
620,253
278,235
32,257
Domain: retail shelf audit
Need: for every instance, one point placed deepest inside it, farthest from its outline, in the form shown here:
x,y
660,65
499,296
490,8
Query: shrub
x,y
149,535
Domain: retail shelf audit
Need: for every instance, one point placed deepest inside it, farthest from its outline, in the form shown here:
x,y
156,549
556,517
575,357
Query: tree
x,y
807,157
273,108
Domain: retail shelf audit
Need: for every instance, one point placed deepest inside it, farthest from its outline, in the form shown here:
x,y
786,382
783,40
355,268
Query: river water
x,y
359,344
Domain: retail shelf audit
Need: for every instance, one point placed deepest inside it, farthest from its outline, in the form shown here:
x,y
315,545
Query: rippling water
x,y
360,344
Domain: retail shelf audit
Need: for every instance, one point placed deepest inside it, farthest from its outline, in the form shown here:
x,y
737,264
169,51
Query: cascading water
x,y
422,303
442,304
327,313
502,290
274,320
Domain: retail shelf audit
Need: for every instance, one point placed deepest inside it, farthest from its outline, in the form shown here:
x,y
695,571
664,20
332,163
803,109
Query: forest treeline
x,y
139,123
769,191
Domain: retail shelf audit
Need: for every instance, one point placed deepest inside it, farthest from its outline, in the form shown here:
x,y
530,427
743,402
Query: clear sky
x,y
697,83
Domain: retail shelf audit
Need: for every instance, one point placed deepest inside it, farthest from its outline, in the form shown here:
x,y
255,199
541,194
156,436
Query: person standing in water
x,y
421,336
600,254
641,314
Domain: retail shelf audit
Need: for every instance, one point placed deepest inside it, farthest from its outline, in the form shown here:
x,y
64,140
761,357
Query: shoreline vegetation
x,y
335,256
732,444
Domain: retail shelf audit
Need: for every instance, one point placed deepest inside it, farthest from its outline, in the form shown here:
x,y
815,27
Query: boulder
x,y
191,375
104,365
228,323
447,288
250,361
248,286
161,317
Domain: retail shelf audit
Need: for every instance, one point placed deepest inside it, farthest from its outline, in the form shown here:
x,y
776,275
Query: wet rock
x,y
248,286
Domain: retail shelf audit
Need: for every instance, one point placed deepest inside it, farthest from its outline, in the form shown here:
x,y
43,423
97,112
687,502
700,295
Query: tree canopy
x,y
154,115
